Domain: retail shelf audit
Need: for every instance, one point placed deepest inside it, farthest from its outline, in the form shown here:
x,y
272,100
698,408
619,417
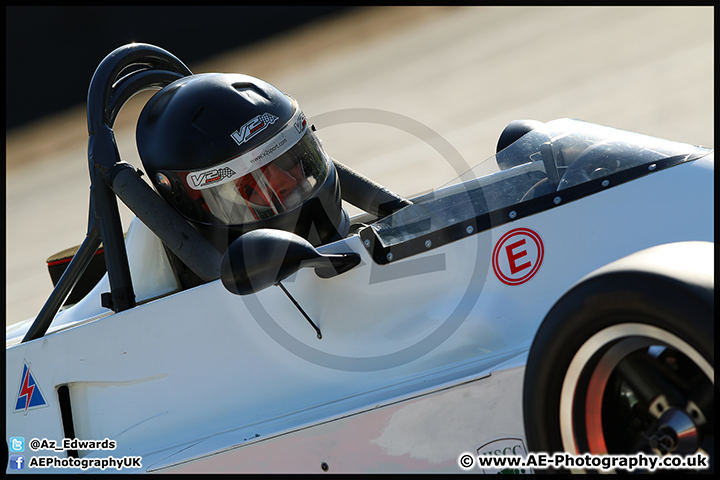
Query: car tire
x,y
621,364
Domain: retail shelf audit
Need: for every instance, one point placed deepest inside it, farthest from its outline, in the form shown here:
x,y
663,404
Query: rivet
x,y
367,243
469,229
557,200
389,257
605,183
428,244
513,214
652,167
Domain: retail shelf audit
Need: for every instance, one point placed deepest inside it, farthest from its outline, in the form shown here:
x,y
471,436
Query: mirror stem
x,y
317,330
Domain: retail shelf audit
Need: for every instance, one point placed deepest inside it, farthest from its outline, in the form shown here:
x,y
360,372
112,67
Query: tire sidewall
x,y
600,302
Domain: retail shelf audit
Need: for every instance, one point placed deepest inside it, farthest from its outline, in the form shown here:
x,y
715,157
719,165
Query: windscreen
x,y
561,154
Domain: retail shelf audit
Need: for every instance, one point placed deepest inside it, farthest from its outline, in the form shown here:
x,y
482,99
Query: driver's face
x,y
281,181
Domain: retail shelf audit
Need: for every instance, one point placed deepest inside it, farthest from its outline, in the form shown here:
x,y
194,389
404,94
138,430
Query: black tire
x,y
605,352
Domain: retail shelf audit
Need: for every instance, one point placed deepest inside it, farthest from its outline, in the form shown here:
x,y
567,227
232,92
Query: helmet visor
x,y
277,176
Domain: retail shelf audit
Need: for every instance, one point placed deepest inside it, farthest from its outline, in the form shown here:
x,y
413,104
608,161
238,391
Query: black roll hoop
x,y
126,71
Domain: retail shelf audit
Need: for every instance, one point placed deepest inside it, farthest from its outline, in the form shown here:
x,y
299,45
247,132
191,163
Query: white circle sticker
x,y
517,256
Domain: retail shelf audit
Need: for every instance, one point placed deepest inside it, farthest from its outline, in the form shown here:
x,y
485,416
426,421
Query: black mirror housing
x,y
261,258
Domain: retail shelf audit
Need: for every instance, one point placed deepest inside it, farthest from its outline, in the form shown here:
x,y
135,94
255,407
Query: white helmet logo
x,y
211,177
253,127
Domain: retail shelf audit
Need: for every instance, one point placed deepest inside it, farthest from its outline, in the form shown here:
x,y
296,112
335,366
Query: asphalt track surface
x,y
366,79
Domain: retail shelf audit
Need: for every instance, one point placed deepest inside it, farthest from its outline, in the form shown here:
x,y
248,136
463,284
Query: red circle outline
x,y
496,251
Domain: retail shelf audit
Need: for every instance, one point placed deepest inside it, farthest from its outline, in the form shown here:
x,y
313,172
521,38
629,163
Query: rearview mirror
x,y
264,257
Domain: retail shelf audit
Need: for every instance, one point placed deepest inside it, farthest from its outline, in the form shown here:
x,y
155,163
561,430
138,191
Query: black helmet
x,y
232,153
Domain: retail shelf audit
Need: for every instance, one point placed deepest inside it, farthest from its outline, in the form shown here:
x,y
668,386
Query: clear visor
x,y
277,176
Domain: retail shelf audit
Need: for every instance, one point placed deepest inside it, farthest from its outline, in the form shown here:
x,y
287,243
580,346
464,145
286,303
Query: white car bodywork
x,y
420,360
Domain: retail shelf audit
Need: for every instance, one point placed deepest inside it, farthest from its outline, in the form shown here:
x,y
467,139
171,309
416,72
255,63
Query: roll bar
x,y
126,71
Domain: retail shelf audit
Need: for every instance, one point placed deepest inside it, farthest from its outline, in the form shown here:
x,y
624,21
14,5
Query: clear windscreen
x,y
561,154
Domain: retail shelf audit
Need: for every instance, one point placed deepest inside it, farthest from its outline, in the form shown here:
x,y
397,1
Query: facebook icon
x,y
17,462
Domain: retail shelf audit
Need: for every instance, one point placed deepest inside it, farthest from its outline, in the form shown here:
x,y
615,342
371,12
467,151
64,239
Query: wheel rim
x,y
616,366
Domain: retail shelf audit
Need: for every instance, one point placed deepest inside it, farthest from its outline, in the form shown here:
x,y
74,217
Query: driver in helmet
x,y
232,153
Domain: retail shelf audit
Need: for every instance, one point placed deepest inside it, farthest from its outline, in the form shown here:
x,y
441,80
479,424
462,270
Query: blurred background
x,y
462,72
52,51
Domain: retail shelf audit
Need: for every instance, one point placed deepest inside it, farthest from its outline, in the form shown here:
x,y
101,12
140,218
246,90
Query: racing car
x,y
562,303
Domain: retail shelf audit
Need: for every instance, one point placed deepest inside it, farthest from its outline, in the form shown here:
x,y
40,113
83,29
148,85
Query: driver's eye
x,y
248,190
286,163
